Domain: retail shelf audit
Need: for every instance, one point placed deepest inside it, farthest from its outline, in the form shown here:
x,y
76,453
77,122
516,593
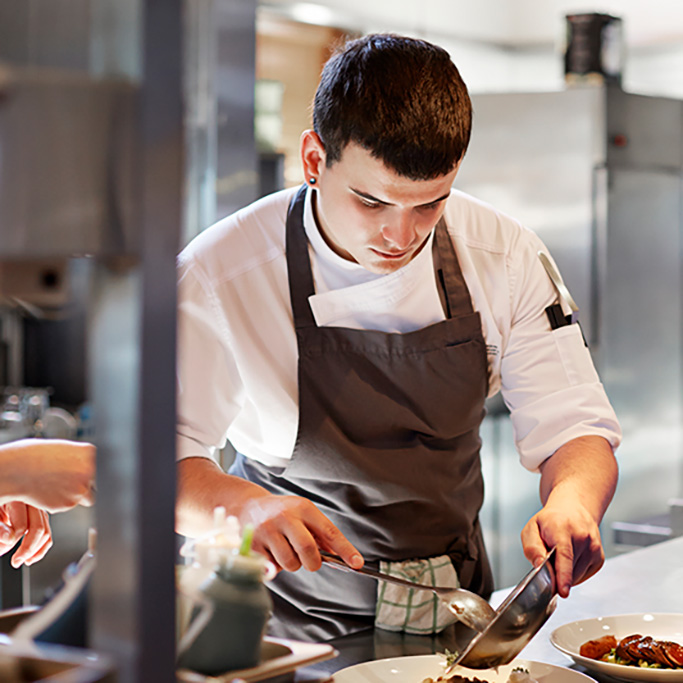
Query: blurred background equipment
x,y
595,49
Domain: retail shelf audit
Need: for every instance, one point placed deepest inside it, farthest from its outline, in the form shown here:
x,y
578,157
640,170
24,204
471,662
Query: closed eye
x,y
367,200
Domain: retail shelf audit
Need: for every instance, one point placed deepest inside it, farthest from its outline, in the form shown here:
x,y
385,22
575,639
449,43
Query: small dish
x,y
569,638
278,657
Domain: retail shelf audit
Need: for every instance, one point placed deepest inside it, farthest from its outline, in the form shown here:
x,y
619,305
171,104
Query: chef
x,y
343,336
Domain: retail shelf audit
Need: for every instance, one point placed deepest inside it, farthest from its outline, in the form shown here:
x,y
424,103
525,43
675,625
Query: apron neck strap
x,y
298,262
449,274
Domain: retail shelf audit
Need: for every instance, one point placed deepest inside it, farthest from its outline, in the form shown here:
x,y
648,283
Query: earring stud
x,y
312,181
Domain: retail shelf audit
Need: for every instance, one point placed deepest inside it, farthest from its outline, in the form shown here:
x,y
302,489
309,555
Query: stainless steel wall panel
x,y
641,311
641,327
200,116
14,31
236,158
644,131
66,164
51,33
117,38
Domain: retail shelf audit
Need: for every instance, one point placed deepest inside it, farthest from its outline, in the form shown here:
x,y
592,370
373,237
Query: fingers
x,y
537,539
576,561
588,560
41,551
331,539
8,538
280,551
564,568
268,555
578,549
35,527
535,550
275,520
320,533
287,536
88,498
532,543
289,530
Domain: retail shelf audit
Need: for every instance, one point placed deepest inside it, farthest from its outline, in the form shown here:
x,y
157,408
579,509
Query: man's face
x,y
369,214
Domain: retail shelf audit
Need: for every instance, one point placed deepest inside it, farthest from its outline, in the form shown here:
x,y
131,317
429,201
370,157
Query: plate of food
x,y
431,668
631,647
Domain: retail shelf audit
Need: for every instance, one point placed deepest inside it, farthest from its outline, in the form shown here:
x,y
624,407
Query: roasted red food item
x,y
629,648
647,647
636,648
673,652
659,653
598,648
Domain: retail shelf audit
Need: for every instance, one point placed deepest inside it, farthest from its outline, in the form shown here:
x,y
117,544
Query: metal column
x,y
91,171
133,380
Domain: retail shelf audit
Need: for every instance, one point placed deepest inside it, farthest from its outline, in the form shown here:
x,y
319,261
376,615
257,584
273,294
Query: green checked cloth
x,y
409,609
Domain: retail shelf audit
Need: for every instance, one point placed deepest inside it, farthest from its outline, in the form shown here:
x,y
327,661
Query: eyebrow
x,y
369,197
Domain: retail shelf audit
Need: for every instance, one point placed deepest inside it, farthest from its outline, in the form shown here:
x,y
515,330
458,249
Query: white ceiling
x,y
503,22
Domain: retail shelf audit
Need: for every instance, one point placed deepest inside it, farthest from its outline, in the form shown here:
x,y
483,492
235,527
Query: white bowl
x,y
570,637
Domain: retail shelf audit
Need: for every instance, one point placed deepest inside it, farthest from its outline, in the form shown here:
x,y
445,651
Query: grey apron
x,y
387,446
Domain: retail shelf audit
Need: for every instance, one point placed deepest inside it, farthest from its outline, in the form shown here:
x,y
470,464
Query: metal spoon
x,y
468,607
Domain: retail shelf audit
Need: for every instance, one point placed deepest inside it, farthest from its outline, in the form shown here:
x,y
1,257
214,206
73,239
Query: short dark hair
x,y
400,98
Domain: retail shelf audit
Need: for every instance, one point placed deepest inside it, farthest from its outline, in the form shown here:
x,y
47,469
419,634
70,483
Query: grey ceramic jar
x,y
241,607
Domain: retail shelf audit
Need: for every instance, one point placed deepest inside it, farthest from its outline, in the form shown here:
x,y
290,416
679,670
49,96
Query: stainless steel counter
x,y
646,580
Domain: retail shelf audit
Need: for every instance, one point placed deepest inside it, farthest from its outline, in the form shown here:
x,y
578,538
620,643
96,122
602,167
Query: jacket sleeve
x,y
548,379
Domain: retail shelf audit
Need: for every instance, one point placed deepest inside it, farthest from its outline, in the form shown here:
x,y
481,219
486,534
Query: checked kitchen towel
x,y
414,610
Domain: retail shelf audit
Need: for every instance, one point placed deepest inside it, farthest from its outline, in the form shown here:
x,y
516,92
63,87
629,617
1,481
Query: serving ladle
x,y
468,607
516,622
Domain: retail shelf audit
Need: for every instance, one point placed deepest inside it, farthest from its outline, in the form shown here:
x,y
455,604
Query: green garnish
x,y
450,656
612,658
247,538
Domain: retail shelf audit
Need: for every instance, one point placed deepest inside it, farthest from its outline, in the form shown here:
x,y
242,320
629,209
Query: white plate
x,y
570,637
416,669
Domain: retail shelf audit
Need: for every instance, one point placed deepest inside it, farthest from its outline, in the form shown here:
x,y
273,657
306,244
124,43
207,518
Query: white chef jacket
x,y
237,351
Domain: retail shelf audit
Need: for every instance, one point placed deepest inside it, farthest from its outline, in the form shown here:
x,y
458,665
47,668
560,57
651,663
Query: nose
x,y
401,233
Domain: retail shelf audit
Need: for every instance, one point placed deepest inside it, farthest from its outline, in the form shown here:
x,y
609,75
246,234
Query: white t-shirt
x,y
237,353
